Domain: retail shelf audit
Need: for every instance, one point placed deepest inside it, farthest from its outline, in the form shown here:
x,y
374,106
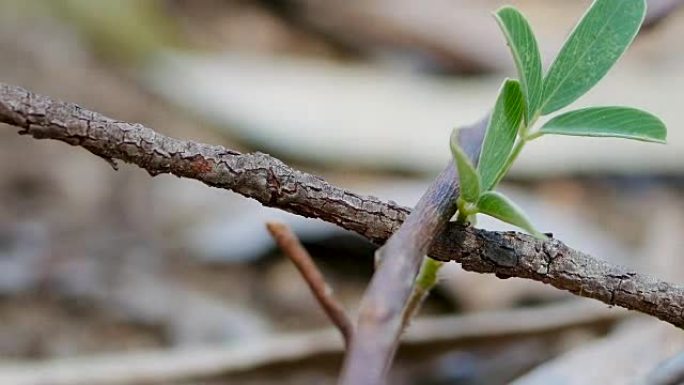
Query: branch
x,y
273,183
380,316
291,246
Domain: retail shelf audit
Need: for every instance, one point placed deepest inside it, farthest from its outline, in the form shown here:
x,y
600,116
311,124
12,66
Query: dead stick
x,y
289,243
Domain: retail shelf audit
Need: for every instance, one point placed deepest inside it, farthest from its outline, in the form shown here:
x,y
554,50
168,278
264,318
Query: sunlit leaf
x,y
596,43
499,206
468,176
618,122
501,132
525,52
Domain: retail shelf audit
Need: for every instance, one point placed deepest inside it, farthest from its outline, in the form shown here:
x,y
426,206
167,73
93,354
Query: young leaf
x,y
526,54
596,43
501,132
468,176
617,122
499,206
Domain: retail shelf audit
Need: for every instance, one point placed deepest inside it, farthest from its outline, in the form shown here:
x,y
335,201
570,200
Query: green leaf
x,y
501,132
499,206
596,43
617,122
468,176
526,54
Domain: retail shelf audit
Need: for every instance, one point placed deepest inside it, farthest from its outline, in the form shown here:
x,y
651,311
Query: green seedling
x,y
594,46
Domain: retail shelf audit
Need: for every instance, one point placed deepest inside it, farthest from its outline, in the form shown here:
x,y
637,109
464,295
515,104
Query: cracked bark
x,y
273,183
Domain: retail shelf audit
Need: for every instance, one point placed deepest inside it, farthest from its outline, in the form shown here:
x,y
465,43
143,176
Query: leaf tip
x,y
659,139
504,9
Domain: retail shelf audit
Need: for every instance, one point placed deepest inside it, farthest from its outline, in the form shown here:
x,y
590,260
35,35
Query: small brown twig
x,y
289,243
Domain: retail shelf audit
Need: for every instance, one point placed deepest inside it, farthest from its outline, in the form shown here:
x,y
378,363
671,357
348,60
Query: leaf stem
x,y
534,135
426,280
465,211
524,137
511,159
461,218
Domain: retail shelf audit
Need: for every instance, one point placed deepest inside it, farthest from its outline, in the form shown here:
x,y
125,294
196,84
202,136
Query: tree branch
x,y
380,316
271,182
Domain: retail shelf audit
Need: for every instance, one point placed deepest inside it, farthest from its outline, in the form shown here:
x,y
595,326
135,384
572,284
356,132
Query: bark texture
x,y
273,183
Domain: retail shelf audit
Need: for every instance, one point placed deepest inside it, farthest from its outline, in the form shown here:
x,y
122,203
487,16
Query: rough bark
x,y
273,183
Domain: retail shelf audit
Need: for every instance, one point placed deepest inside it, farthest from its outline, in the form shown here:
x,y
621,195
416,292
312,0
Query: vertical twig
x,y
294,250
380,316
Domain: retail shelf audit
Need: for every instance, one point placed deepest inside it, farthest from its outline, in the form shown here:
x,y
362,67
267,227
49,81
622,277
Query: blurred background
x,y
118,278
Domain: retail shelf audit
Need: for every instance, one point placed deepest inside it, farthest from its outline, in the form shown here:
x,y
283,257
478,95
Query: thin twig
x,y
289,243
275,184
380,316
